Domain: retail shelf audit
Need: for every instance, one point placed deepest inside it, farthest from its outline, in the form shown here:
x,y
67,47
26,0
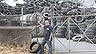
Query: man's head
x,y
46,22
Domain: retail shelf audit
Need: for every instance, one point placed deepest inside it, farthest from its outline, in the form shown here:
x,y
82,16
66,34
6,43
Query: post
x,y
69,31
36,26
53,36
22,16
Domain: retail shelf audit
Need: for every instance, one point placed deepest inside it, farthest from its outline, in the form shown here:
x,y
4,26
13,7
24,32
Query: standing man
x,y
47,37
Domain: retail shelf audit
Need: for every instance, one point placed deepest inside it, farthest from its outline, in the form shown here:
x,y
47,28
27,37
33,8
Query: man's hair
x,y
48,20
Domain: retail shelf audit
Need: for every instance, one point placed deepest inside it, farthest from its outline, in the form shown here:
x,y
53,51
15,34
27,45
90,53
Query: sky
x,y
13,3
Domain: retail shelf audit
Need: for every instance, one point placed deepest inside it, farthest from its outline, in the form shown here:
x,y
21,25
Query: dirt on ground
x,y
12,49
17,49
18,46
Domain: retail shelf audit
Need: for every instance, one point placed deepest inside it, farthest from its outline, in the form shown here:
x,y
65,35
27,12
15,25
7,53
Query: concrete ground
x,y
75,47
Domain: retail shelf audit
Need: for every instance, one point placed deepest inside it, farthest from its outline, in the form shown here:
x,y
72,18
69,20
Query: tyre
x,y
60,35
34,47
93,40
79,37
71,34
74,28
90,33
61,32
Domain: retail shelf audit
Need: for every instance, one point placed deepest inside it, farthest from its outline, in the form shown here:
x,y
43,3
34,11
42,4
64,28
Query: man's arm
x,y
51,33
50,37
40,24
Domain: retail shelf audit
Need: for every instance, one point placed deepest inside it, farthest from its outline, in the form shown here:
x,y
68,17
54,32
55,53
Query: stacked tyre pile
x,y
74,23
30,7
2,21
90,33
78,25
84,23
15,21
18,9
65,8
62,10
1,8
61,32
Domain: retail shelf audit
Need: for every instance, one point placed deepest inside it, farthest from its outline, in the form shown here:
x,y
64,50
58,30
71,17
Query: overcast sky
x,y
13,3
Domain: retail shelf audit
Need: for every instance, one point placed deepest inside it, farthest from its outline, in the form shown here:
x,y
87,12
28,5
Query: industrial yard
x,y
73,26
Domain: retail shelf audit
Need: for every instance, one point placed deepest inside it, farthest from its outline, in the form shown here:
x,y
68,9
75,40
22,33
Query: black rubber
x,y
93,40
71,35
79,37
61,32
37,49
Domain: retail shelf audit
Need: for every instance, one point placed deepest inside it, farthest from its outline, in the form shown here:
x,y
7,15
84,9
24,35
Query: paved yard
x,y
76,48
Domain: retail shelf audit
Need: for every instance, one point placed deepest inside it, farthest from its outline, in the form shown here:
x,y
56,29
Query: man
x,y
47,37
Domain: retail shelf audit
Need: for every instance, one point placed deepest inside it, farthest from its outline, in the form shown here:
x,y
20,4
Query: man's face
x,y
46,22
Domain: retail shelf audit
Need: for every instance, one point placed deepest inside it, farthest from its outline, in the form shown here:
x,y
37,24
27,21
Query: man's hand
x,y
50,39
38,21
40,24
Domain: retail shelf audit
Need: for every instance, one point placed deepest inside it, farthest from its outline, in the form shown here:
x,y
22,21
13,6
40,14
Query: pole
x,y
22,16
36,26
69,32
